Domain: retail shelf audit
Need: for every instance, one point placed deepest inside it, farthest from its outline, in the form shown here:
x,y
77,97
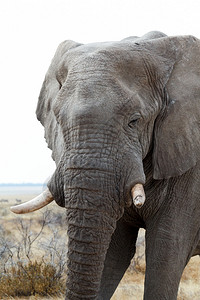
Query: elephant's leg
x,y
119,255
169,246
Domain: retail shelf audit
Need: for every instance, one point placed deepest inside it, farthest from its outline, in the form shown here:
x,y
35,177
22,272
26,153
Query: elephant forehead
x,y
104,78
100,75
114,58
97,104
100,97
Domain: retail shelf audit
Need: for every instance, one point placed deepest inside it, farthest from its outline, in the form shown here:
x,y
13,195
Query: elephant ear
x,y
51,87
51,84
177,130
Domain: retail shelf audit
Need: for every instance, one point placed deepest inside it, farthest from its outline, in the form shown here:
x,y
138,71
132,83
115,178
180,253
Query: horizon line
x,y
22,183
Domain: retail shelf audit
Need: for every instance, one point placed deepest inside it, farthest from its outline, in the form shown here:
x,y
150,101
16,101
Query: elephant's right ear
x,y
51,84
49,92
177,131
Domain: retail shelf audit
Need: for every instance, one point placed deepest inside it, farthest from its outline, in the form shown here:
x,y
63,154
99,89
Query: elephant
x,y
122,120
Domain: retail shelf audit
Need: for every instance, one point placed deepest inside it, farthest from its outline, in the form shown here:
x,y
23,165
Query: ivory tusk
x,y
138,195
38,202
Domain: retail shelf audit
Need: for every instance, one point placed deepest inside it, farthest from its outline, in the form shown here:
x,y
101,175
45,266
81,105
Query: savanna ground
x,y
41,237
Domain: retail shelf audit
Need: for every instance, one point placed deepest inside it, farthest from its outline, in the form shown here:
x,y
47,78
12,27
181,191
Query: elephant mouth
x,y
45,198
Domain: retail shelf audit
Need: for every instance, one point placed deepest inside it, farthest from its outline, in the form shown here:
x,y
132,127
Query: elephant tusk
x,y
138,195
38,202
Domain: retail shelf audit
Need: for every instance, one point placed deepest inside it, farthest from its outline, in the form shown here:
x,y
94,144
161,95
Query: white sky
x,y
30,31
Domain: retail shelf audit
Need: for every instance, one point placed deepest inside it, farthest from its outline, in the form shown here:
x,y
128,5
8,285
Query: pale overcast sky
x,y
30,31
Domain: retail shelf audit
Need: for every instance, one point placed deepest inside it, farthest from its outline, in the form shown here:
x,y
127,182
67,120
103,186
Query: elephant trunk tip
x,y
138,195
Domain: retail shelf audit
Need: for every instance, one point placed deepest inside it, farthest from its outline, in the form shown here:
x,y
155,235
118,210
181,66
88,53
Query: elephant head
x,y
104,107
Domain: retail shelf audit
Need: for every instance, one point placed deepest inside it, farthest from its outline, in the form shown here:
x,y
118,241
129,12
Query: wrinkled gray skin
x,y
116,114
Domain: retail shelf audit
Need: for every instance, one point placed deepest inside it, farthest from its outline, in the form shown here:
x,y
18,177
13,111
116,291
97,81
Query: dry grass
x,y
132,284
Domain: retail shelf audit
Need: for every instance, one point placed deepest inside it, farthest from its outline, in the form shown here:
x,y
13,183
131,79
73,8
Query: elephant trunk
x,y
90,182
91,215
89,234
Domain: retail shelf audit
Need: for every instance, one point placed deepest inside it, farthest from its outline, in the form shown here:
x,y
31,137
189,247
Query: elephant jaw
x,y
38,202
138,195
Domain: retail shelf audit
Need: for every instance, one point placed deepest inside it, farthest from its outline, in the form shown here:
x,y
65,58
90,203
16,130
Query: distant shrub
x,y
34,278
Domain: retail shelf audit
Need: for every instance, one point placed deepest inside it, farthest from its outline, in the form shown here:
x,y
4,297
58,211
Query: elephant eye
x,y
59,82
133,122
61,76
